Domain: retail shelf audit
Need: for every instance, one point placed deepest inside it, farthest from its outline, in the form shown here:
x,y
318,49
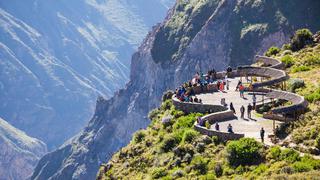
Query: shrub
x,y
315,96
274,153
287,60
169,142
215,140
300,69
260,169
153,114
245,151
286,47
301,167
289,155
301,38
167,96
272,51
159,172
199,164
186,121
138,136
166,105
189,135
295,84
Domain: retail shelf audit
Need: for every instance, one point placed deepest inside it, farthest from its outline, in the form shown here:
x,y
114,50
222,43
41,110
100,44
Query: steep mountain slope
x,y
19,152
56,57
232,25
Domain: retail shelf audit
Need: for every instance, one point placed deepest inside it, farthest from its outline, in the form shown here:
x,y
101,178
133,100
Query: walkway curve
x,y
218,113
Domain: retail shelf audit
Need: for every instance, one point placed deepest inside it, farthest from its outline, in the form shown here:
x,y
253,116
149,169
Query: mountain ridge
x,y
116,119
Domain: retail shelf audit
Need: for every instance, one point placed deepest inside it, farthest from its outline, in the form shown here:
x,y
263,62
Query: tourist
x,y
221,86
254,100
241,89
191,99
230,129
249,109
262,134
242,112
218,85
227,82
239,83
217,127
195,99
232,108
200,121
229,71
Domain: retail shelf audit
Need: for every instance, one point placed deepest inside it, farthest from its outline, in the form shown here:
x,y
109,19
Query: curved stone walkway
x,y
248,127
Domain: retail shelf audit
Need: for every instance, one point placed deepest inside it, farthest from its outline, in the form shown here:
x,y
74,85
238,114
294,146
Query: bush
x,y
153,114
300,69
245,151
274,153
301,38
169,142
138,136
260,169
295,84
301,167
186,121
272,51
289,155
315,96
199,164
158,173
287,60
189,135
166,105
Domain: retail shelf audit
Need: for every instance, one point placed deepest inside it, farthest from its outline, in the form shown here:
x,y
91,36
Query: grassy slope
x,y
175,151
306,66
150,155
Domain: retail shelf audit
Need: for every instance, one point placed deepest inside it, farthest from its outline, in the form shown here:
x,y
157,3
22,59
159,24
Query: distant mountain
x,y
19,153
57,56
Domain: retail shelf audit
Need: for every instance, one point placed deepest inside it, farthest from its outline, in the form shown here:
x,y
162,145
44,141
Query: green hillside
x,y
173,150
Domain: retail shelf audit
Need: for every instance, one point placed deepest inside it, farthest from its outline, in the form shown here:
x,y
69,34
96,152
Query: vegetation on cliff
x,y
170,149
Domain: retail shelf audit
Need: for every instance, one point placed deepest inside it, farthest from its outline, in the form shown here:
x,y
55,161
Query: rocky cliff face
x,y
56,57
232,33
19,152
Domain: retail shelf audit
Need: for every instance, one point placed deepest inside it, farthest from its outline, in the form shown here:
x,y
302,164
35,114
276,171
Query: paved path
x,y
249,127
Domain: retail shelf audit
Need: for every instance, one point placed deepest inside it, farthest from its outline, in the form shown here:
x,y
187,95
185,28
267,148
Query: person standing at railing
x,y
232,108
254,101
230,129
249,109
217,127
242,112
262,134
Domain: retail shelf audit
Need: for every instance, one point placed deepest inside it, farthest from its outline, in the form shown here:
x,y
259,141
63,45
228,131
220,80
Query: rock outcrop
x,y
231,35
19,153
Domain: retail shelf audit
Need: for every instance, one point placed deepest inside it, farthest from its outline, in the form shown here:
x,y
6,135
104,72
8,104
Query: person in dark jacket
x,y
262,134
232,108
242,112
249,109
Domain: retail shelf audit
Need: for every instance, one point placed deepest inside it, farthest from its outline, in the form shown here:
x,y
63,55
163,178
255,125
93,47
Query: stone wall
x,y
223,136
189,107
219,116
271,62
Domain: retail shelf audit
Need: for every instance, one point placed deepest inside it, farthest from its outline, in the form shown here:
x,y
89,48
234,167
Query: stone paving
x,y
249,127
